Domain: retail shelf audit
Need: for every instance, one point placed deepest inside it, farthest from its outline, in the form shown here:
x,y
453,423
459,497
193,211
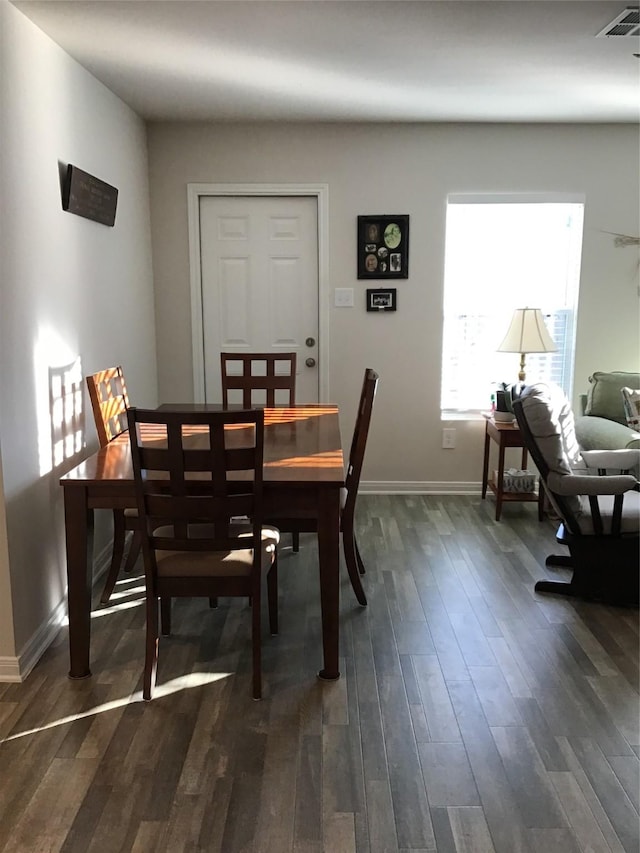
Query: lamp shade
x,y
527,333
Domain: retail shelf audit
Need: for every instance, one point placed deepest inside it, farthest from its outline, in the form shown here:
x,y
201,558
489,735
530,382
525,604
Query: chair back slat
x,y
360,434
109,403
249,373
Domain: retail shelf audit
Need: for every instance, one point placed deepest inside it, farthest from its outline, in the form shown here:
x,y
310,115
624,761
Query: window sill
x,y
461,416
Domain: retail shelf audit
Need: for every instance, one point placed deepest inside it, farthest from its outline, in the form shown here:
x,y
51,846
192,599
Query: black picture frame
x,y
382,300
383,246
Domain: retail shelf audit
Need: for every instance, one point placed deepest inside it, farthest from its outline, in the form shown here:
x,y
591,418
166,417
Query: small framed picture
x,y
381,300
383,246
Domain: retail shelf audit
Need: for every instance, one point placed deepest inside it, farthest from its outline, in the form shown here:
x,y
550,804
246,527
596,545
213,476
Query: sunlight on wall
x,y
65,405
59,401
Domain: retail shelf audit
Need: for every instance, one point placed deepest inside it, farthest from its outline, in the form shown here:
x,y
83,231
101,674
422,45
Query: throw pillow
x,y
631,400
604,400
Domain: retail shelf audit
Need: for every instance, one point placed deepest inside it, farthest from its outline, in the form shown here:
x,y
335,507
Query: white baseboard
x,y
403,487
9,670
16,669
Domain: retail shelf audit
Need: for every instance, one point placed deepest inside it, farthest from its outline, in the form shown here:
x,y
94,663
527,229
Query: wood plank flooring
x,y
472,716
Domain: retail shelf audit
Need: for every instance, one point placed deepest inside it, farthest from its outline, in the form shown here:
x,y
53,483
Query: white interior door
x,y
259,267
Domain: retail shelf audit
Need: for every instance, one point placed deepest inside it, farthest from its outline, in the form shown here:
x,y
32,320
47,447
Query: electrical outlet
x,y
448,439
343,297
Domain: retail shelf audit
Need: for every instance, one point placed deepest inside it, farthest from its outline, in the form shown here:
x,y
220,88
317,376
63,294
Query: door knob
x,y
310,362
310,342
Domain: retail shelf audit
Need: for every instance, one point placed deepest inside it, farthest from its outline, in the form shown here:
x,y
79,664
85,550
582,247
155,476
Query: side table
x,y
506,435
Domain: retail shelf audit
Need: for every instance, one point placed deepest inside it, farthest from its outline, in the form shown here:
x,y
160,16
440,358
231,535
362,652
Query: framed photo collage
x,y
383,253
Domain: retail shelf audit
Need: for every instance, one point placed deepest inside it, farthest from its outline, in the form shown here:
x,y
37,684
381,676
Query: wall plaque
x,y
88,196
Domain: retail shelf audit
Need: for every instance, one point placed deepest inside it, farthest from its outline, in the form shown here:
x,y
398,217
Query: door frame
x,y
197,191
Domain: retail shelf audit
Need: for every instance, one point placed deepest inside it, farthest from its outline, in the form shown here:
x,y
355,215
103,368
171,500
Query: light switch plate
x,y
449,438
343,297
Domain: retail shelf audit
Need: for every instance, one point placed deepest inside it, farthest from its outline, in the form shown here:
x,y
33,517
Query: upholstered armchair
x,y
592,493
602,423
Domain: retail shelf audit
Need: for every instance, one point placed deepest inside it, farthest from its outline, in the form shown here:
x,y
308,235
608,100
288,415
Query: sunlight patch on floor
x,y
183,682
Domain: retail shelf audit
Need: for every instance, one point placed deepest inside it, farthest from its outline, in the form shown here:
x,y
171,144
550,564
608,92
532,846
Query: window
x,y
502,254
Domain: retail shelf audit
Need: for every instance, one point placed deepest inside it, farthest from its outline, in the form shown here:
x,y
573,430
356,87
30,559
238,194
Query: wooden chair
x,y
594,496
187,499
109,401
257,374
304,524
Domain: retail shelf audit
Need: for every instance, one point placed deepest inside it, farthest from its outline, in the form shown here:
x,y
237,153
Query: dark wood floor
x,y
472,715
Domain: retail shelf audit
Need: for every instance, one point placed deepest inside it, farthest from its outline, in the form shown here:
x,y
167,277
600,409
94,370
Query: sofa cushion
x,y
604,399
603,434
631,401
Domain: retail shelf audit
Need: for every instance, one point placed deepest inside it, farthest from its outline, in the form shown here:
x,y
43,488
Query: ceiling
x,y
354,60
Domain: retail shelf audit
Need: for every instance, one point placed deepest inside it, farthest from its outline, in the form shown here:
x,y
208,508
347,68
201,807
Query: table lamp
x,y
527,333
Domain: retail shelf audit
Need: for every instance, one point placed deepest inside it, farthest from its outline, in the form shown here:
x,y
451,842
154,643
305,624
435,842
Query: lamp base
x,y
521,374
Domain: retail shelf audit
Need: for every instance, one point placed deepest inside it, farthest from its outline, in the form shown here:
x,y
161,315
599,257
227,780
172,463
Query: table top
x,y
302,445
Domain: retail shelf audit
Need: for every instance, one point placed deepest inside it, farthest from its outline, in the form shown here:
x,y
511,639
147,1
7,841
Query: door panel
x,y
259,260
284,306
233,301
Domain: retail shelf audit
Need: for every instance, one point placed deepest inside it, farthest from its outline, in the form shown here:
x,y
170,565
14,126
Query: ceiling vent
x,y
627,23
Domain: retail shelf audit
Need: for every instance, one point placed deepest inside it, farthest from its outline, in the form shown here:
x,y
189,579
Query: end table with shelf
x,y
506,435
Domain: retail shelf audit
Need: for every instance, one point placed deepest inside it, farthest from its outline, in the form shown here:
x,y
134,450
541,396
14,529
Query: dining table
x,y
303,470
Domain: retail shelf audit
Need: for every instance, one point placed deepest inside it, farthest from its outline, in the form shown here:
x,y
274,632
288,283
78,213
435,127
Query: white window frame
x,y
565,363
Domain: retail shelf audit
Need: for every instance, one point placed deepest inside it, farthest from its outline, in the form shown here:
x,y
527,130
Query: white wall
x,y
70,288
410,169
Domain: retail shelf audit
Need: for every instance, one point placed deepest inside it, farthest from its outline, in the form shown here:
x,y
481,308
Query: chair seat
x,y
214,563
629,523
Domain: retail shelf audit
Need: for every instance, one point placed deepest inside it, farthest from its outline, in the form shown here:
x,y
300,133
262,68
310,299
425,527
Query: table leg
x,y
329,565
78,521
485,465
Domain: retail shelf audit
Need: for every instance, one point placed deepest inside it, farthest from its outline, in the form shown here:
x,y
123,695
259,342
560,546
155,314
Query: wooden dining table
x,y
303,469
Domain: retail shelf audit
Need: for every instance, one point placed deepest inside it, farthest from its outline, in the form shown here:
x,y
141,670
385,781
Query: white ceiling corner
x,y
354,60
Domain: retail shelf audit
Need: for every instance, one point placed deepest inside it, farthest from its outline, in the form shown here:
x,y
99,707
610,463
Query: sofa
x,y
603,423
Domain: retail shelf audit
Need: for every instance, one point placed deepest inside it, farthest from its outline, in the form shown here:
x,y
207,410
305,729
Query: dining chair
x,y
259,376
304,523
186,467
109,402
